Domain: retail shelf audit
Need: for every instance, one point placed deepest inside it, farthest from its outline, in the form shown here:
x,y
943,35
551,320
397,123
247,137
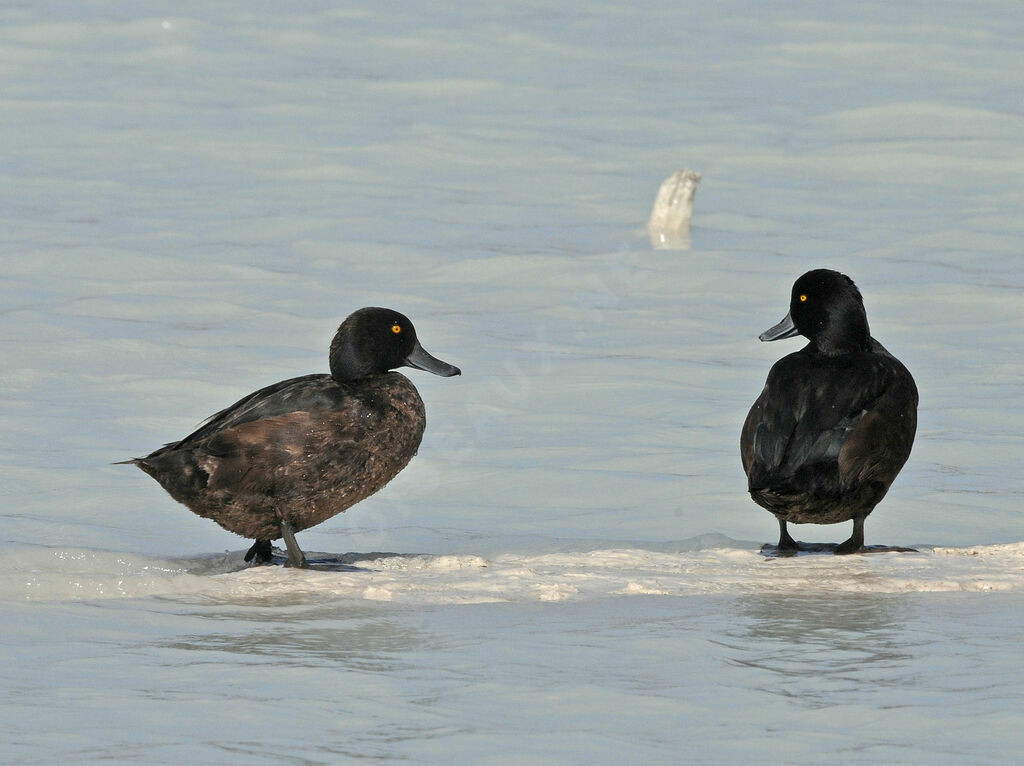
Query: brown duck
x,y
298,452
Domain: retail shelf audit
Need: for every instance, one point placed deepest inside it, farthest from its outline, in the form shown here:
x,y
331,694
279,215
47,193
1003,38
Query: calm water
x,y
194,197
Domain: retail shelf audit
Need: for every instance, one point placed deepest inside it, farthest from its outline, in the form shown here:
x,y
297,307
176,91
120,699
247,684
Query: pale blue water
x,y
192,199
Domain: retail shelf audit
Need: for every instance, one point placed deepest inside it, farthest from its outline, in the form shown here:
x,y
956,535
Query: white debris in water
x,y
669,224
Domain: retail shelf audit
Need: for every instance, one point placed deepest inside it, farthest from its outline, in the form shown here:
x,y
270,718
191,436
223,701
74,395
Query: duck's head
x,y
373,340
826,308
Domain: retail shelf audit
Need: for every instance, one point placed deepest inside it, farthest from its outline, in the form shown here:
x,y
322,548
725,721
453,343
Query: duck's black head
x,y
826,308
373,340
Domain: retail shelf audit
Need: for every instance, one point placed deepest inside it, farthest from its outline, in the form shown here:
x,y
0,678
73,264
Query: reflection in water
x,y
355,641
814,646
661,240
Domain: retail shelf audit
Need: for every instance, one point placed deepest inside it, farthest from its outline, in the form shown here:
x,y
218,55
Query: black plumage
x,y
836,420
297,452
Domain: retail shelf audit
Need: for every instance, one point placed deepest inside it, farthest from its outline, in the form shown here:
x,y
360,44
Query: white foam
x,y
40,574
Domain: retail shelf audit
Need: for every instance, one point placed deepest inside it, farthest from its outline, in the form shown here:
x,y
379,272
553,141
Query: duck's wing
x,y
281,398
766,432
826,420
300,448
880,441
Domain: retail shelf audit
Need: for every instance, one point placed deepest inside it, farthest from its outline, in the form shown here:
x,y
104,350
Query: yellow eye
x,y
803,298
396,329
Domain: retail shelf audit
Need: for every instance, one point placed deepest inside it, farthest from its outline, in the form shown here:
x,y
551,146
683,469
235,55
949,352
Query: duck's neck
x,y
346,364
851,335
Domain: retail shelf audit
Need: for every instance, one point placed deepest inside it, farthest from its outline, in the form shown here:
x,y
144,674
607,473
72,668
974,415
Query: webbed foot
x,y
261,552
787,546
856,542
850,546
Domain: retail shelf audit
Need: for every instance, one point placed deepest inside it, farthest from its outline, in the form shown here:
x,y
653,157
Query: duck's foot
x,y
786,546
296,558
773,551
843,549
856,542
261,552
785,551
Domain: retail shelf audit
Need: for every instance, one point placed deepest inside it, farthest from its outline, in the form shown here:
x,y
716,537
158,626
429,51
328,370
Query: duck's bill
x,y
784,329
421,360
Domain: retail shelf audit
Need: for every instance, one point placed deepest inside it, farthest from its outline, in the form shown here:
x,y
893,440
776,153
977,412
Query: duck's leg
x,y
261,552
786,543
296,558
856,542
